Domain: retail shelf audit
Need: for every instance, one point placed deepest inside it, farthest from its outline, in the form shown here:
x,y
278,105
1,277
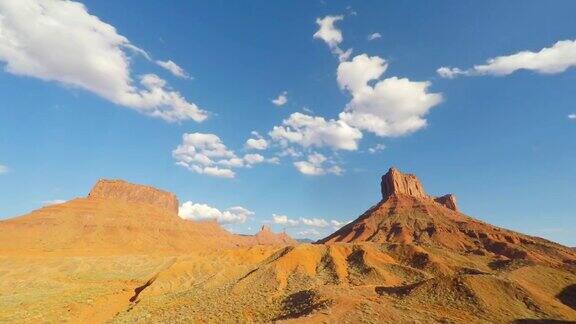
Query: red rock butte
x,y
408,215
128,192
395,182
120,217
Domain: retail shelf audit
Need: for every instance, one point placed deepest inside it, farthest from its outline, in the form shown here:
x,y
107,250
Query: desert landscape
x,y
123,255
287,161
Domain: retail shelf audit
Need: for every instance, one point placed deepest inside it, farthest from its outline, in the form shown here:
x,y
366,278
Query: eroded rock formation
x,y
395,182
128,192
448,200
266,236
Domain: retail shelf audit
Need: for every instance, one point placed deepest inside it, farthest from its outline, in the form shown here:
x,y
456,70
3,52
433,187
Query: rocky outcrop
x,y
448,200
409,216
133,193
267,237
396,182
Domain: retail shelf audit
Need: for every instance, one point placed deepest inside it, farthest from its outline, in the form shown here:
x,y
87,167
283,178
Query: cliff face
x,y
128,192
407,215
448,200
395,182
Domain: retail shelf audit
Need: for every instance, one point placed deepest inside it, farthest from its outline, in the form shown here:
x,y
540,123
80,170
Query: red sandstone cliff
x,y
408,215
395,182
132,193
120,217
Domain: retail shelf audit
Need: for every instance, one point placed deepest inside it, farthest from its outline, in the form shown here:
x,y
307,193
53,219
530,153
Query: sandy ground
x,y
370,283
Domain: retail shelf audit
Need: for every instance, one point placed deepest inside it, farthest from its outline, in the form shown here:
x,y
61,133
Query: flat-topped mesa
x,y
125,191
395,182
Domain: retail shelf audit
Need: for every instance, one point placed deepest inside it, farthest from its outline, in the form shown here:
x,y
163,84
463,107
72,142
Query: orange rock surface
x,y
120,217
128,192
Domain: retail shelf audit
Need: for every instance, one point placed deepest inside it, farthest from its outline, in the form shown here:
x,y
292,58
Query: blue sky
x,y
80,104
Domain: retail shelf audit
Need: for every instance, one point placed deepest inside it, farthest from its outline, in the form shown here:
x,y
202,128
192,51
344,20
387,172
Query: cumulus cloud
x,y
315,165
282,99
387,107
328,32
284,220
3,169
174,68
257,144
549,60
354,75
60,41
571,116
332,36
374,36
310,131
314,222
450,73
391,107
195,211
307,222
253,158
207,154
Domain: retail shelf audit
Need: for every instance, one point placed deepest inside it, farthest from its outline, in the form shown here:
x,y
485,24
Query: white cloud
x,y
315,222
328,32
201,153
315,165
3,169
376,148
253,158
291,152
391,107
284,220
549,60
281,100
332,36
195,211
309,131
174,68
257,144
374,36
207,154
449,73
354,75
53,202
309,233
309,226
571,116
60,41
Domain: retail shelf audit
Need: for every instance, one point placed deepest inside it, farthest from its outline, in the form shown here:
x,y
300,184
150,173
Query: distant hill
x,y
120,217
